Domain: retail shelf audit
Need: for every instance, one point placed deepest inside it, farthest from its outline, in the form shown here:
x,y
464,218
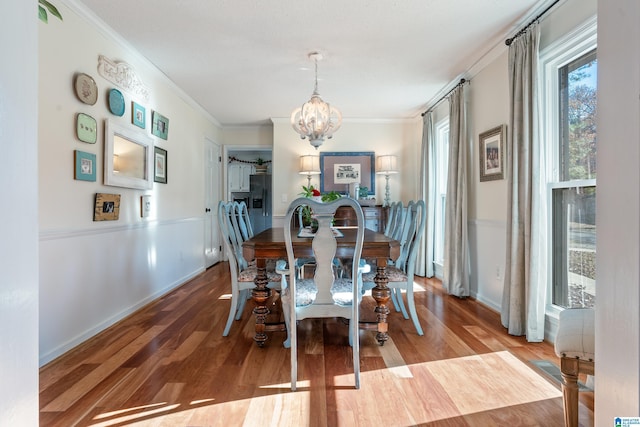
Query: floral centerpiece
x,y
313,193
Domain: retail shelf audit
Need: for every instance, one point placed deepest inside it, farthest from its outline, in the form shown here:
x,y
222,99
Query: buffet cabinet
x,y
375,217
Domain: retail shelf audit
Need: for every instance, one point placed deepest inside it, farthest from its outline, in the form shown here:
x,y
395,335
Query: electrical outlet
x,y
285,198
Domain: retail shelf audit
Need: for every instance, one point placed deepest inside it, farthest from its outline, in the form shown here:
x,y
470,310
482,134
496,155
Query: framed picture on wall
x,y
160,165
85,166
107,207
339,169
492,153
138,115
159,125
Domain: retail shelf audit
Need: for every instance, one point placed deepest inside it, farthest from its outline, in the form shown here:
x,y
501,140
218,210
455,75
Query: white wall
x,y
488,108
617,392
19,241
94,273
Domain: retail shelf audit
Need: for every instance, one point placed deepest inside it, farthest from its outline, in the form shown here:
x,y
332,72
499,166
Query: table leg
x,y
381,294
260,295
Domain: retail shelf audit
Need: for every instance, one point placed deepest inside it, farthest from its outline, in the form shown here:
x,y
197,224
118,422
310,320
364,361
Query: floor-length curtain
x,y
456,248
523,299
424,264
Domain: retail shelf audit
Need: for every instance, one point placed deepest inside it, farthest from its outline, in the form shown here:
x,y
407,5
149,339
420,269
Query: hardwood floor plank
x,y
168,365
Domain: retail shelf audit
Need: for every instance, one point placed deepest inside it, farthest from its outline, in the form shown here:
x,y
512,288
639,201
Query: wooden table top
x,y
270,244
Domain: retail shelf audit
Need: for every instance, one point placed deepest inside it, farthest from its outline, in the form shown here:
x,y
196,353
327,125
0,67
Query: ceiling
x,y
245,61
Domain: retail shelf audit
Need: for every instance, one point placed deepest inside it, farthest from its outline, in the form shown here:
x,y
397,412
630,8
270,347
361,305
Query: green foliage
x,y
331,196
43,6
363,192
582,131
307,191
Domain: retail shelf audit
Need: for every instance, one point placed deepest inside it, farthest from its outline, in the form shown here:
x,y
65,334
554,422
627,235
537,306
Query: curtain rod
x,y
462,81
519,33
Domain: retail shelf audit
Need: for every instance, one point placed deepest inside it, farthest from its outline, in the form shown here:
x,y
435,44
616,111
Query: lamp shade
x,y
309,165
387,164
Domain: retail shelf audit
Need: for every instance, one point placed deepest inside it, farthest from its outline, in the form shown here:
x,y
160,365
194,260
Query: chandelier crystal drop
x,y
316,119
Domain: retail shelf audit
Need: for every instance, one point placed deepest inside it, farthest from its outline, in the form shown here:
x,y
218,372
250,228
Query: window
x,y
570,76
442,161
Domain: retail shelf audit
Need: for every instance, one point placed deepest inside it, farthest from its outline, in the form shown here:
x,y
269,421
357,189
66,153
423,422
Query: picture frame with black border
x,y
160,165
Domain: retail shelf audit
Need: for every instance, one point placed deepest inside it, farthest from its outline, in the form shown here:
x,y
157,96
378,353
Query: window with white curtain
x,y
442,161
570,68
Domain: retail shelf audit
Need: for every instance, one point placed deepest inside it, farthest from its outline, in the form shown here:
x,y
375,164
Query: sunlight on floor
x,y
134,414
449,388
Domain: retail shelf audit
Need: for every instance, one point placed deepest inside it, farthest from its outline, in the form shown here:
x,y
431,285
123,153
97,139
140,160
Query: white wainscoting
x,y
90,279
487,241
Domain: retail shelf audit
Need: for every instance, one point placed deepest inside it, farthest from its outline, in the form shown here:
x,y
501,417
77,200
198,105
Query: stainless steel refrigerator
x,y
260,202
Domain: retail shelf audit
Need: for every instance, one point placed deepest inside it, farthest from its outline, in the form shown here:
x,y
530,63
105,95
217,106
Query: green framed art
x,y
138,115
160,125
85,166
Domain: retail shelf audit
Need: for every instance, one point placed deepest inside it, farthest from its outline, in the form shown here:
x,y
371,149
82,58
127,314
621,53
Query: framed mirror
x,y
128,157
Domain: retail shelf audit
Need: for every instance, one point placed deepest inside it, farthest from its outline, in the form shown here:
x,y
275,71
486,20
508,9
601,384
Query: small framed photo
x,y
492,156
160,165
107,207
160,125
85,166
138,115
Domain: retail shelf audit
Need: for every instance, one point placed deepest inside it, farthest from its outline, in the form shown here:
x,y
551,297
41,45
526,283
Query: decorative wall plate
x,y
116,102
86,88
86,128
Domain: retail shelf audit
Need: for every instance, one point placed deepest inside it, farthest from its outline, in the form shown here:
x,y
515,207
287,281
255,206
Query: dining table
x,y
270,245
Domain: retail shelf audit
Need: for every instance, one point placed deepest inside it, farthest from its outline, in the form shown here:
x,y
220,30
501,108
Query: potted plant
x,y
261,166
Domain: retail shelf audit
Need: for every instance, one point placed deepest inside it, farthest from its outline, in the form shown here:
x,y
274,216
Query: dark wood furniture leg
x,y
381,294
260,294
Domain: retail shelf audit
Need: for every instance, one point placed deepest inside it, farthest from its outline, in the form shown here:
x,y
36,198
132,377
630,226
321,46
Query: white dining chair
x,y
400,275
242,272
326,294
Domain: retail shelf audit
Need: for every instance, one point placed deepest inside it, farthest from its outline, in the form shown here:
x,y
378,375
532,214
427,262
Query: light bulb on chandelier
x,y
316,119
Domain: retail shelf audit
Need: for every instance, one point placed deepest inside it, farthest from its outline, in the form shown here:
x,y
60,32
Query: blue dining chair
x,y
326,294
230,218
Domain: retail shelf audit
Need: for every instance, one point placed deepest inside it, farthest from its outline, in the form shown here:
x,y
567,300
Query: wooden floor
x,y
168,365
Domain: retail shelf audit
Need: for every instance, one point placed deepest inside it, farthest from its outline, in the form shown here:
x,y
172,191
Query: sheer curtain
x,y
424,264
456,248
523,298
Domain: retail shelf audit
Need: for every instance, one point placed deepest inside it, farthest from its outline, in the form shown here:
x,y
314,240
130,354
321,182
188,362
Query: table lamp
x,y
387,165
309,165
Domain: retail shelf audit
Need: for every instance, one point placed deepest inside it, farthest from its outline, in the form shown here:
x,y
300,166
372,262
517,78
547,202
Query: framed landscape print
x,y
339,169
492,153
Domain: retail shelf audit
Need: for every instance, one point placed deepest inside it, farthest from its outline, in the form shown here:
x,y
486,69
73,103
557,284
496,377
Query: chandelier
x,y
316,119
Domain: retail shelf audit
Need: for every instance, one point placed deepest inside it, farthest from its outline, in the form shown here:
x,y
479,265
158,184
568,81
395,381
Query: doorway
x,y
212,188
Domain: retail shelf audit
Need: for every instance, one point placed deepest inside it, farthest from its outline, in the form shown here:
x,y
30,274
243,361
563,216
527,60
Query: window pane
x,y
442,162
578,118
574,252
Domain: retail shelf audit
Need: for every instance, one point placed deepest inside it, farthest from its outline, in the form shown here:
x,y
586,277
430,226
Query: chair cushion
x,y
306,290
576,333
249,273
394,274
